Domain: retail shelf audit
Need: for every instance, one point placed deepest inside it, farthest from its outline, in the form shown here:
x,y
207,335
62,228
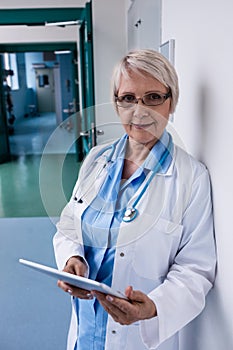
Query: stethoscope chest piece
x,y
130,214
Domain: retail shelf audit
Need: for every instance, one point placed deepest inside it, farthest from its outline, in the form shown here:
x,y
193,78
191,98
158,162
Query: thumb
x,y
135,295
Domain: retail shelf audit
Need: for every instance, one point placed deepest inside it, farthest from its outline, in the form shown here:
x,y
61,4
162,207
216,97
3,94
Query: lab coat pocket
x,y
156,249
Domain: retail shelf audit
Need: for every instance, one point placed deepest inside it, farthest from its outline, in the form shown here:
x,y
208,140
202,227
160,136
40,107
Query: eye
x,y
128,98
154,96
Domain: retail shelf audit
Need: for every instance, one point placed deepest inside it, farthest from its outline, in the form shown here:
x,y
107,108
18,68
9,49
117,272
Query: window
x,y
10,61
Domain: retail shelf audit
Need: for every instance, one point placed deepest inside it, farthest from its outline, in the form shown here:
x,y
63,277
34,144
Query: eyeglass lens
x,y
151,99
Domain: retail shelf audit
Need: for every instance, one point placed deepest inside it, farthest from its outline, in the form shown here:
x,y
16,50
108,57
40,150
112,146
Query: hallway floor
x,y
34,187
40,177
34,312
29,190
34,135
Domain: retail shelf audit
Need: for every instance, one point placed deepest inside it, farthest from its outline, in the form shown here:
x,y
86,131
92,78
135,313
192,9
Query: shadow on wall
x,y
204,118
211,321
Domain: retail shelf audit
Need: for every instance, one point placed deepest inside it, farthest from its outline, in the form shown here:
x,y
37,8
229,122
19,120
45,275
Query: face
x,y
144,124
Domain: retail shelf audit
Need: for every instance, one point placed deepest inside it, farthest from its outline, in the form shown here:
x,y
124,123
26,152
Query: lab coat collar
x,y
152,158
156,153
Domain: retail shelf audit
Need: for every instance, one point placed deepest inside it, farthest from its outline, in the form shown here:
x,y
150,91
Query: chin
x,y
148,142
145,137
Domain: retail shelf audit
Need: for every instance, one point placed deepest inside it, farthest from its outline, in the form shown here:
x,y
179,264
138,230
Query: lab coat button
x,y
122,254
113,331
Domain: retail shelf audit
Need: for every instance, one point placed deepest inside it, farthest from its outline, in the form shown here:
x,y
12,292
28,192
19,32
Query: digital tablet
x,y
74,280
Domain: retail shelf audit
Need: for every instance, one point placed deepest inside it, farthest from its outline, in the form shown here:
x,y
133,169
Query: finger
x,y
122,311
115,313
69,269
124,306
117,306
80,269
146,307
119,313
76,266
105,302
64,286
76,292
135,295
128,291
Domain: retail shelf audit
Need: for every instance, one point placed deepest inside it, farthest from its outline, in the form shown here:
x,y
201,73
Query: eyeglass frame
x,y
136,100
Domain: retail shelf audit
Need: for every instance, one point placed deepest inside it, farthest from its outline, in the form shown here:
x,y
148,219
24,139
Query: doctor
x,y
139,220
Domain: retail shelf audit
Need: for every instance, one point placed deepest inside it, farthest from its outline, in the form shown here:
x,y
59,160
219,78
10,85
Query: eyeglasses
x,y
151,99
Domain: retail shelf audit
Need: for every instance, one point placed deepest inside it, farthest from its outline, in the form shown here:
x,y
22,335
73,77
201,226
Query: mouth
x,y
142,126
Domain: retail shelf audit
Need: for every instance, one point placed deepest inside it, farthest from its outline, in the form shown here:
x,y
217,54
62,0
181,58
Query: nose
x,y
140,110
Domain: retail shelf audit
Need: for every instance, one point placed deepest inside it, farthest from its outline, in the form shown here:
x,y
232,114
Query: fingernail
x,y
89,295
109,298
69,291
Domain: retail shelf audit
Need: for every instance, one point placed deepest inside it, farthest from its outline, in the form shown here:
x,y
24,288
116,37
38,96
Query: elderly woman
x,y
139,220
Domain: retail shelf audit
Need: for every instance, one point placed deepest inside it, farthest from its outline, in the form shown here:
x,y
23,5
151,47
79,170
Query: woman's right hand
x,y
76,266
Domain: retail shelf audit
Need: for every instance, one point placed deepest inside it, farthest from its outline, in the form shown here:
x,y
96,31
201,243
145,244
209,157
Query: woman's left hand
x,y
139,307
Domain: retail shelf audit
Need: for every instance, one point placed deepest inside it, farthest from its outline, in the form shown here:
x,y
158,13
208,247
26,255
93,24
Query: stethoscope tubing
x,y
155,171
131,212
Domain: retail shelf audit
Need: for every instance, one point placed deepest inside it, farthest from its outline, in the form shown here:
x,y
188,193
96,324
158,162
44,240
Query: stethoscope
x,y
131,213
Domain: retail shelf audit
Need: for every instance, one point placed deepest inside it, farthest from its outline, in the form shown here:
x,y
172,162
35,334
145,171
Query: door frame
x,y
42,16
43,47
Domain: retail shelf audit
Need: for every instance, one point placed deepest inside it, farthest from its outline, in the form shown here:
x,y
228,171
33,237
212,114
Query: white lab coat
x,y
167,252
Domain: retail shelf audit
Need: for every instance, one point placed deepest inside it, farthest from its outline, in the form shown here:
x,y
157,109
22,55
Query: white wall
x,y
110,41
144,24
203,58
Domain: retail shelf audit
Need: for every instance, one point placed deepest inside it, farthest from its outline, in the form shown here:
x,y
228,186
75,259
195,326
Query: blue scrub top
x,y
100,226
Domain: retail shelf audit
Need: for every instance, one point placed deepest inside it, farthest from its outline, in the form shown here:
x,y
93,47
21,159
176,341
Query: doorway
x,y
82,17
45,97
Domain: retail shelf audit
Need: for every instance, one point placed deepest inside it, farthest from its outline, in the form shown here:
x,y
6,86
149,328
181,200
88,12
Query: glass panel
x,y
4,142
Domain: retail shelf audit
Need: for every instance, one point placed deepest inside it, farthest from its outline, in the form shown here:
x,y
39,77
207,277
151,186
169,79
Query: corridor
x,y
34,187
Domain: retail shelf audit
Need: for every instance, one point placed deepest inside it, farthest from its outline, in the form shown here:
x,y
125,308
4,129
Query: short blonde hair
x,y
152,63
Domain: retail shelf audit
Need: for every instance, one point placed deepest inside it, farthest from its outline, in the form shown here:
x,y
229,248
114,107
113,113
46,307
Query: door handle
x,y
100,132
92,133
87,133
84,133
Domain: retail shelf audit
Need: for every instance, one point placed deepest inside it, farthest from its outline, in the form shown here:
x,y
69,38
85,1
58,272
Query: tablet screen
x,y
74,280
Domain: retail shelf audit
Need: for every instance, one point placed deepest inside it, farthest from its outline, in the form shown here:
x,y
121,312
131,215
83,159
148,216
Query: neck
x,y
136,152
